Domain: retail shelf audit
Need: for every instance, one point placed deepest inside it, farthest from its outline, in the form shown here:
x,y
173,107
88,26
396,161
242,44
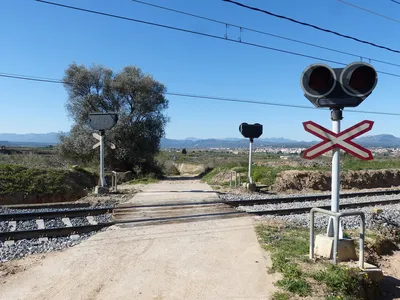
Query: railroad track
x,y
41,216
155,213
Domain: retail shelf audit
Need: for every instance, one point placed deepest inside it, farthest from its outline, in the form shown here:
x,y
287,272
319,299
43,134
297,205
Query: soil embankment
x,y
321,181
22,185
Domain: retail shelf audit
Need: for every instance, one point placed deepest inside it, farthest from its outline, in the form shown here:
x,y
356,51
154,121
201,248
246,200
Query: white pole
x,y
335,187
250,161
102,180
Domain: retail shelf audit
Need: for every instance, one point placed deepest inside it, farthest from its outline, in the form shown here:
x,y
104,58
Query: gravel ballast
x,y
53,223
25,225
33,246
391,212
315,203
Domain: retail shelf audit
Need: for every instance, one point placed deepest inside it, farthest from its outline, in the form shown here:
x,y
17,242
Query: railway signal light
x,y
251,131
330,87
103,121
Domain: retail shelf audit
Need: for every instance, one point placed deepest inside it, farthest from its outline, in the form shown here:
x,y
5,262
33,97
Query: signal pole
x,y
102,179
250,161
336,116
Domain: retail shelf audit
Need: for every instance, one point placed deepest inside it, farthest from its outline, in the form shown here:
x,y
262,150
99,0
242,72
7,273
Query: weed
x,y
280,296
340,279
295,285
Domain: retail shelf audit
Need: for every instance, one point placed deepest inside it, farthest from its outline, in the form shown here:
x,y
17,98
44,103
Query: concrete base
x,y
374,273
324,248
252,187
98,190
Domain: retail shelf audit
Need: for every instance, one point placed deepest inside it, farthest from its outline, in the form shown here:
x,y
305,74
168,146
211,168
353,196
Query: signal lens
x,y
321,80
362,79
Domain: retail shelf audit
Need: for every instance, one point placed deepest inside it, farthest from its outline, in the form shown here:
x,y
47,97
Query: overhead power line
x,y
204,34
266,33
312,26
369,11
395,1
226,99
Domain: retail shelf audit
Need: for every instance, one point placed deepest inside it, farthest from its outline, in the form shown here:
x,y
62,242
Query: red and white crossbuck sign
x,y
340,140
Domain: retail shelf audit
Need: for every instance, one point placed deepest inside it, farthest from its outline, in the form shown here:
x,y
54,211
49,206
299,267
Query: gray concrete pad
x,y
174,191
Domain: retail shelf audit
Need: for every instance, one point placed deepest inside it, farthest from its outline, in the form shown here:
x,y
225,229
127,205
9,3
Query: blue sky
x,y
42,40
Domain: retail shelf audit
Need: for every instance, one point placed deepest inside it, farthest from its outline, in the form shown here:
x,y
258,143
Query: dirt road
x,y
213,259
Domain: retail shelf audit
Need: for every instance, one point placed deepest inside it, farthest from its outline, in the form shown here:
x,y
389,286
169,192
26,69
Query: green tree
x,y
140,103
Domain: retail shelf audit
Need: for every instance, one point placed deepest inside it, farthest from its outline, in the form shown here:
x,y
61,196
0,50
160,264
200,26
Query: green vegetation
x,y
340,280
18,180
288,247
353,164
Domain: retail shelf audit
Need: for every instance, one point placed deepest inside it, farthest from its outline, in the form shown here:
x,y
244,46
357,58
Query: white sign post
x,y
100,137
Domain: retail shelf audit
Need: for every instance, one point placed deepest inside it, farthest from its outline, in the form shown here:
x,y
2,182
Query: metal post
x,y
102,179
362,237
250,161
230,182
336,116
312,234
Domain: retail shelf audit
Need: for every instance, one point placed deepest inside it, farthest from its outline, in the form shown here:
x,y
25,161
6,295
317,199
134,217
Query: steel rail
x,y
17,216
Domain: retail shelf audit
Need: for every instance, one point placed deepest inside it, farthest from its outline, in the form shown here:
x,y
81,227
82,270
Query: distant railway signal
x,y
251,131
330,87
102,122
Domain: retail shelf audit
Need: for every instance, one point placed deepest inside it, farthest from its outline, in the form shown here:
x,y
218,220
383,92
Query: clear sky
x,y
42,40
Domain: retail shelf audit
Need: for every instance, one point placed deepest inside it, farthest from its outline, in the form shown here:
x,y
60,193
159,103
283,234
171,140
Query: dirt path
x,y
214,259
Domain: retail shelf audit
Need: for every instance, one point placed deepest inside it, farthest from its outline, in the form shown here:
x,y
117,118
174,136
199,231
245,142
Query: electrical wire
x,y
266,33
369,11
205,34
312,26
395,1
226,99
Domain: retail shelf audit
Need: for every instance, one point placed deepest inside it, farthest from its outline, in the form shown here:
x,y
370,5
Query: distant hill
x,y
381,140
230,143
45,139
29,139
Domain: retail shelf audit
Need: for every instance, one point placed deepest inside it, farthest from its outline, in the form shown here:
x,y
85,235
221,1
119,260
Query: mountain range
x,y
45,139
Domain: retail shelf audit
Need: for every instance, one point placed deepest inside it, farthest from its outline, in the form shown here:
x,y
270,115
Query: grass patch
x,y
288,247
340,279
146,180
280,296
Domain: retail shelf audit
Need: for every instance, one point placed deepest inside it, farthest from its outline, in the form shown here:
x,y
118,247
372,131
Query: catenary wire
x,y
204,34
369,11
312,26
267,33
49,80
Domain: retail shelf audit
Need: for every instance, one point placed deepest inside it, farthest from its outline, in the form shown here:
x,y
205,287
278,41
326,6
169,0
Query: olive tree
x,y
140,103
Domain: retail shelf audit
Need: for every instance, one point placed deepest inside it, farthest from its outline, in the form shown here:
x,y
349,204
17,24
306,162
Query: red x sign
x,y
340,140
